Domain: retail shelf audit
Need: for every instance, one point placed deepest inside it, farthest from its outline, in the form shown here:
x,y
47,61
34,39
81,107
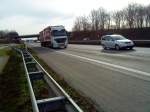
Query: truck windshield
x,y
59,33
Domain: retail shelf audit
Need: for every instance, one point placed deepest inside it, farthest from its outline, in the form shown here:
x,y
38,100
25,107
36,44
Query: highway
x,y
116,81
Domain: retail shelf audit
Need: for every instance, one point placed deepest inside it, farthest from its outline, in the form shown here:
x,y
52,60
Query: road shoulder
x,y
3,61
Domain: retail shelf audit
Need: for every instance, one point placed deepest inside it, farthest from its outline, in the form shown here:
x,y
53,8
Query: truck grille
x,y
60,40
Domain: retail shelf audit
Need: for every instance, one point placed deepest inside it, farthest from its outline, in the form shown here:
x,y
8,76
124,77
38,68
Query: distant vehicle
x,y
116,41
38,41
54,37
86,38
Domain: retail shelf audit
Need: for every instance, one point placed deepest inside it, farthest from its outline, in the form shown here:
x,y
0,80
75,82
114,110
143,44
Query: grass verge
x,y
4,51
14,95
85,103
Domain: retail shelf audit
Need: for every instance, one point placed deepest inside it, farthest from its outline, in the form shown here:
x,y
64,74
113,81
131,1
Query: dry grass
x,y
14,95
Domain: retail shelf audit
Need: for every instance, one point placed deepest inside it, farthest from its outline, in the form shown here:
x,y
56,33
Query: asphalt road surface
x,y
116,81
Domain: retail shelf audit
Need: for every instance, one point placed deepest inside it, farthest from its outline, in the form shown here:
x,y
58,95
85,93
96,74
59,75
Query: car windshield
x,y
118,37
59,33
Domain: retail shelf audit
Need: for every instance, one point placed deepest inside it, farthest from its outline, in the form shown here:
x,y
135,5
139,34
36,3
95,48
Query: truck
x,y
54,37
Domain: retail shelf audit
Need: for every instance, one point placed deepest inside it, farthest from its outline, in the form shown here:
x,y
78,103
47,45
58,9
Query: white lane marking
x,y
113,53
119,55
106,63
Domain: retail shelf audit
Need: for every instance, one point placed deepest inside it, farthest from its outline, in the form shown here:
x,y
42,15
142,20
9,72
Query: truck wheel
x,y
52,46
65,47
41,44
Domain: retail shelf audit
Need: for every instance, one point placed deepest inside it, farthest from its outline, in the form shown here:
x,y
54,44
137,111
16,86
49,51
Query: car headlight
x,y
131,42
123,42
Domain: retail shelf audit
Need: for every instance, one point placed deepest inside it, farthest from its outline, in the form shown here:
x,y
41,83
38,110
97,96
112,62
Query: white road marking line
x,y
119,55
105,63
108,64
115,53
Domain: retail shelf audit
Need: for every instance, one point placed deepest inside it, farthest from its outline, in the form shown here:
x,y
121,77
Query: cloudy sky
x,y
31,16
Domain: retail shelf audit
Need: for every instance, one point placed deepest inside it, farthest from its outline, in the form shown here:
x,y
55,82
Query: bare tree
x,y
147,16
85,23
99,18
133,16
130,15
139,15
77,24
102,17
123,19
94,16
117,16
108,21
12,35
81,24
3,34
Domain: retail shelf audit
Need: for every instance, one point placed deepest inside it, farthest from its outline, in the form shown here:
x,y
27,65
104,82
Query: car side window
x,y
111,39
108,38
104,38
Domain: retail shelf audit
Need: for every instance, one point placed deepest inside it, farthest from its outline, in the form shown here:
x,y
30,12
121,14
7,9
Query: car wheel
x,y
130,48
104,47
117,47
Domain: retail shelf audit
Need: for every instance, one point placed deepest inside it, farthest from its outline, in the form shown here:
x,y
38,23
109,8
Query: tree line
x,y
133,16
5,34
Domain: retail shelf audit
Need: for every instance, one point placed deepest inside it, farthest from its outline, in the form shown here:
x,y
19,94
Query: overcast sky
x,y
31,16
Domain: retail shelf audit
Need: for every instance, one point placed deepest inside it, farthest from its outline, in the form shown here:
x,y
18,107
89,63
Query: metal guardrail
x,y
62,102
3,46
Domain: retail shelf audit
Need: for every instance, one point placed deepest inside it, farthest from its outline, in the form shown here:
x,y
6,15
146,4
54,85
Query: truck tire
x,y
52,46
41,44
65,47
44,44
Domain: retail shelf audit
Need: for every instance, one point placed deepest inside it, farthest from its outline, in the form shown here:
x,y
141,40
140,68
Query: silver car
x,y
116,41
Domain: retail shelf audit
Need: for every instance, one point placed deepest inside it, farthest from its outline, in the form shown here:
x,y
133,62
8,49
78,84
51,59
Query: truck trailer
x,y
54,37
